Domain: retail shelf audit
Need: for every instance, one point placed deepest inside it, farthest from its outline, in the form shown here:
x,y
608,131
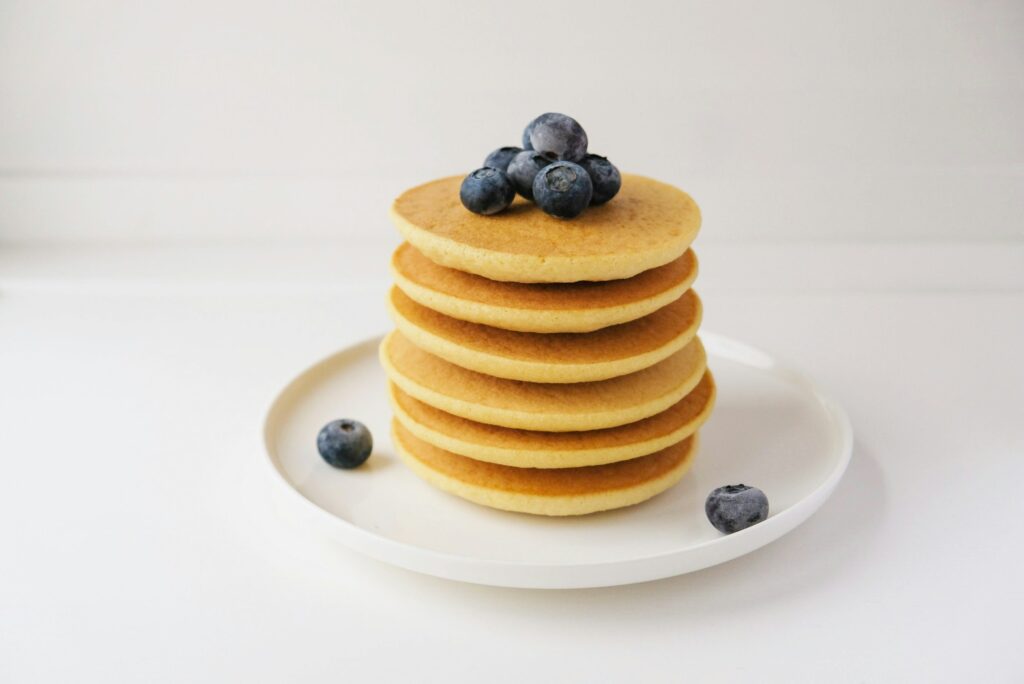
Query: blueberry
x,y
523,169
345,443
563,189
736,507
527,145
487,191
499,158
557,135
604,176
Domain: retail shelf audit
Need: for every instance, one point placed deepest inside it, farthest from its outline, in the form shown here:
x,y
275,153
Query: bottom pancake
x,y
555,492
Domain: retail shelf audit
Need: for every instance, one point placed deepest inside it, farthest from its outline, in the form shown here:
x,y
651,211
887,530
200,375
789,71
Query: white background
x,y
193,208
206,121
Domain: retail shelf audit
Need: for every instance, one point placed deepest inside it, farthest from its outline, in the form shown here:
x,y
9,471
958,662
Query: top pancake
x,y
648,224
540,307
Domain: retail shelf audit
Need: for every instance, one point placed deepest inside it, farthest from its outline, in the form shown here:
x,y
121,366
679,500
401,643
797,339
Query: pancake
x,y
529,449
647,225
550,357
567,491
541,406
540,307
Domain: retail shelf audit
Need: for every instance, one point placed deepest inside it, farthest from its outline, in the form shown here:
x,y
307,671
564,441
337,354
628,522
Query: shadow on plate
x,y
830,544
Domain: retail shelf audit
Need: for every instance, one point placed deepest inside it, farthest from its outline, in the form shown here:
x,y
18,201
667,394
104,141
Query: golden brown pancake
x,y
530,449
567,491
550,357
541,406
648,224
540,307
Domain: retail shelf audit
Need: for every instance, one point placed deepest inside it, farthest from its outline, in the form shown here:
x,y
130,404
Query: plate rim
x,y
469,569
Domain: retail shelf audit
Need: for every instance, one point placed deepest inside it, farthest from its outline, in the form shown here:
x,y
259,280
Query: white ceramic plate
x,y
771,428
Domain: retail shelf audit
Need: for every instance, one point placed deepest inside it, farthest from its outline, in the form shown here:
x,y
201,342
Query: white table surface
x,y
137,542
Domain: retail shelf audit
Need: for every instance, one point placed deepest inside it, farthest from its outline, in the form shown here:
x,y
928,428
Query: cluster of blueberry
x,y
552,169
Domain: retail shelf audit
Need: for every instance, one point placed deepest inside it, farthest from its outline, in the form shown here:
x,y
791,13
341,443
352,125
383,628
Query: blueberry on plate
x,y
563,189
499,158
524,168
604,176
736,507
344,443
557,135
486,191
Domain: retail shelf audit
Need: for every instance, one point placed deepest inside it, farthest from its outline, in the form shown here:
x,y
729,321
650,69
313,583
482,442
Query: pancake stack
x,y
542,365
